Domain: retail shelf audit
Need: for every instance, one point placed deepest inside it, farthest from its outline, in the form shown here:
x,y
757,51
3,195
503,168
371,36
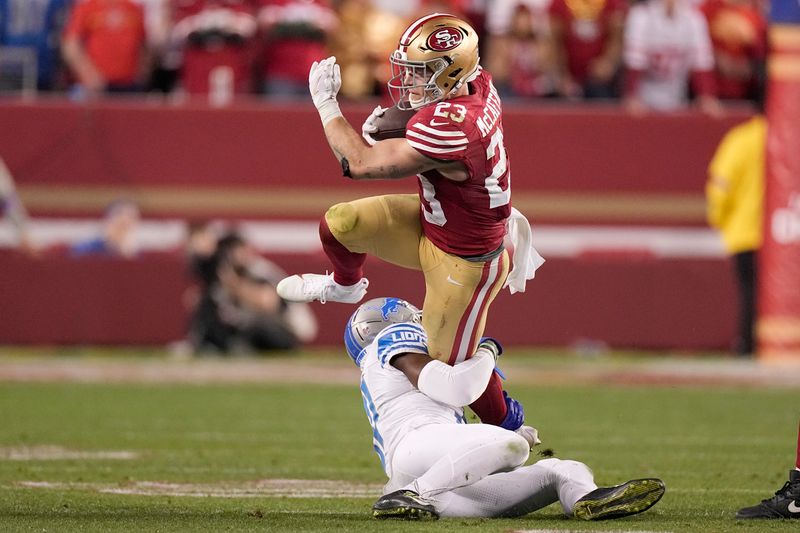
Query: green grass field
x,y
167,455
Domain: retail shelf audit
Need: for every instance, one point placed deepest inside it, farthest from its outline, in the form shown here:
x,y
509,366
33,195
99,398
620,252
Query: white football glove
x,y
530,434
370,125
324,82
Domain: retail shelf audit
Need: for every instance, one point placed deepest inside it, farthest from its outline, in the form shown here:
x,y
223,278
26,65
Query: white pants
x,y
474,470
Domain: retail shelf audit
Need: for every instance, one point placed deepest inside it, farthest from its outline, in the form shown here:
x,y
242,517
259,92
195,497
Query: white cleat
x,y
310,287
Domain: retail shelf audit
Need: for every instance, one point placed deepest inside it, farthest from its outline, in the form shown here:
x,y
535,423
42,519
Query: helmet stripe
x,y
353,347
405,40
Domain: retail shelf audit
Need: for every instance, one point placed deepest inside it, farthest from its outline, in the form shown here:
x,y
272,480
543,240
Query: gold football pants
x,y
458,292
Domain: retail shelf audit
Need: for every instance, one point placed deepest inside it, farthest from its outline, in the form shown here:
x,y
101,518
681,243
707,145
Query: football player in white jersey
x,y
437,464
666,45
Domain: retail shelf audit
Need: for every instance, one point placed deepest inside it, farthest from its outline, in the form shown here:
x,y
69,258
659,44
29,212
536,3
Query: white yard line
x,y
656,371
265,488
582,531
58,453
108,370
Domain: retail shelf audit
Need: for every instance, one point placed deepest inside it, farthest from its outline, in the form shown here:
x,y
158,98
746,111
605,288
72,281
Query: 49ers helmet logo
x,y
445,39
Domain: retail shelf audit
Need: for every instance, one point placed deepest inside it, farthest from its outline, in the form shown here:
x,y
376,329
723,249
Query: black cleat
x,y
785,503
403,505
629,498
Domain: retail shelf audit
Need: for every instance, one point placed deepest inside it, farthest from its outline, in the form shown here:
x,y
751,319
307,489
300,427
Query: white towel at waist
x,y
526,258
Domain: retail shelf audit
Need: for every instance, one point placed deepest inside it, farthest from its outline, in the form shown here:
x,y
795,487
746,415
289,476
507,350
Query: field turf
x,y
141,453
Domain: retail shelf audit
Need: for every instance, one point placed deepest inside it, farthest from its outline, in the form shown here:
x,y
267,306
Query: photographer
x,y
239,310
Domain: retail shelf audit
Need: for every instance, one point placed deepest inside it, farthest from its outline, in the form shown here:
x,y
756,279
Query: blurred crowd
x,y
649,54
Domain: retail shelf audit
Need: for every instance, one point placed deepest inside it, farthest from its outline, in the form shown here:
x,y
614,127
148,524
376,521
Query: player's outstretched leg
x,y
322,287
629,498
346,285
404,505
785,503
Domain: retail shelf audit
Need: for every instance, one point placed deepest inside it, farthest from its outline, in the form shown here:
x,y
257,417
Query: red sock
x,y
347,266
797,463
491,406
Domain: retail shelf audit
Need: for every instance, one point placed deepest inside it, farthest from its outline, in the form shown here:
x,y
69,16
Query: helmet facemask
x,y
413,83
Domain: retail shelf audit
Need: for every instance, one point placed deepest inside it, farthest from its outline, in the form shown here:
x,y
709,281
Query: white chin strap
x,y
415,102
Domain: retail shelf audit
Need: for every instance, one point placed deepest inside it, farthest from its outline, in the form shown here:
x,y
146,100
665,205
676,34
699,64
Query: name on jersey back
x,y
491,112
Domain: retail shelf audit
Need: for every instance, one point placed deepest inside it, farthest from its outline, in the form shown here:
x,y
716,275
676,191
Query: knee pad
x,y
516,449
569,469
551,463
341,218
549,468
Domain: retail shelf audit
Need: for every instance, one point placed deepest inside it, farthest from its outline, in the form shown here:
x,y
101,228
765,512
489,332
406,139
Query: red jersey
x,y
464,218
186,8
296,31
739,35
203,63
113,35
586,28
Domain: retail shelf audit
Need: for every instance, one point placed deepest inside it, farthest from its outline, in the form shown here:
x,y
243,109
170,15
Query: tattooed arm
x,y
387,159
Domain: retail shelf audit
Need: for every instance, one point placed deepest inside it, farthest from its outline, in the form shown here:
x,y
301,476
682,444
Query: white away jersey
x,y
667,49
393,405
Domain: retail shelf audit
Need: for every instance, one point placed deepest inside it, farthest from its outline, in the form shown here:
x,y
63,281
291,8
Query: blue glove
x,y
515,416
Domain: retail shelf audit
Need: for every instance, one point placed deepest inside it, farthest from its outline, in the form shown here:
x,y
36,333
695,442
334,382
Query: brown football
x,y
392,125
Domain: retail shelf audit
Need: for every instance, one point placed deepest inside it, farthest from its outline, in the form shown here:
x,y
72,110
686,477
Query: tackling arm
x,y
457,385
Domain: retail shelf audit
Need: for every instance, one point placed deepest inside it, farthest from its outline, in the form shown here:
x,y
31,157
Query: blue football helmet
x,y
371,318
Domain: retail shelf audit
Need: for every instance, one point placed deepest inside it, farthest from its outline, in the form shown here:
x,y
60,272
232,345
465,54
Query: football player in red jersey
x,y
454,229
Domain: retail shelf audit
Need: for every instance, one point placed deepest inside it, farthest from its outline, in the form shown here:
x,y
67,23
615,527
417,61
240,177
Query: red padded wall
x,y
278,156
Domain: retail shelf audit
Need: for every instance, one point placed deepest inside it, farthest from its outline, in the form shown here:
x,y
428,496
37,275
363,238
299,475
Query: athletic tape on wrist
x,y
328,110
